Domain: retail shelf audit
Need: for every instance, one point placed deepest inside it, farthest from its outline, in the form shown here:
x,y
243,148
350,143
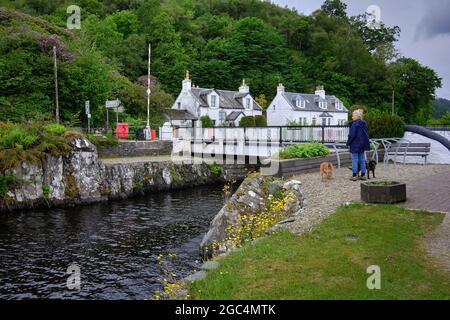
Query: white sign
x,y
112,104
87,107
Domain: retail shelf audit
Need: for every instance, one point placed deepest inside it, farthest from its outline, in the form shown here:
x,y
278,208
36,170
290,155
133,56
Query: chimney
x,y
187,84
244,88
280,88
320,91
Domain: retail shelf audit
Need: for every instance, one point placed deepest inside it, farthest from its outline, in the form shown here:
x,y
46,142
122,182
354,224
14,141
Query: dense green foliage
x,y
31,142
247,121
440,108
385,125
207,122
302,151
444,121
255,40
261,121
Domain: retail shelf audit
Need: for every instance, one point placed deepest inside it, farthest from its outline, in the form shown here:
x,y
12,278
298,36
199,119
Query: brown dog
x,y
326,171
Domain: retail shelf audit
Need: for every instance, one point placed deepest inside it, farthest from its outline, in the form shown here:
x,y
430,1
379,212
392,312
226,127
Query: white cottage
x,y
225,108
306,109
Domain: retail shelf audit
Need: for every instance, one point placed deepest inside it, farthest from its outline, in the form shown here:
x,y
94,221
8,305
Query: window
x,y
248,103
179,105
300,103
324,121
213,101
329,121
222,116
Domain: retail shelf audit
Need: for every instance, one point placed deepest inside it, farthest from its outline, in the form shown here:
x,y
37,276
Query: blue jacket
x,y
358,138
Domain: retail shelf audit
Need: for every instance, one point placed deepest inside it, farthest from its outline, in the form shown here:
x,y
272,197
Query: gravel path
x,y
323,198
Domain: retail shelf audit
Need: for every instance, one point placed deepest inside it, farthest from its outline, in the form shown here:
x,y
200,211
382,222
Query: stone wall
x,y
81,178
136,149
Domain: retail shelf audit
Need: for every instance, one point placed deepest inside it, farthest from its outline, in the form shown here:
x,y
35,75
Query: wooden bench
x,y
407,149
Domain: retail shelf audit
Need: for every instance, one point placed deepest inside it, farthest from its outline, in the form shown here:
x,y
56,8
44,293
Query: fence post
x,y
323,134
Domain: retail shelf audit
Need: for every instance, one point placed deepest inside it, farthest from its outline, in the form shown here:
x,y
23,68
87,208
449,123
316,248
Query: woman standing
x,y
358,142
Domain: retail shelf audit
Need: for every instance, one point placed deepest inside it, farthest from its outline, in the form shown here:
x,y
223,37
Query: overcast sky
x,y
425,28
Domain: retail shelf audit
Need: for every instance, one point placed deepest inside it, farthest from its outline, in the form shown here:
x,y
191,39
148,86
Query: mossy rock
x,y
71,189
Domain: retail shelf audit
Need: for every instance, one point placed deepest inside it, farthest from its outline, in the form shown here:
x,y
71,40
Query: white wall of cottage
x,y
280,113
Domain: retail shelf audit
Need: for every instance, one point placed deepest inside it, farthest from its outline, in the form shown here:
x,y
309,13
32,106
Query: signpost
x,y
112,104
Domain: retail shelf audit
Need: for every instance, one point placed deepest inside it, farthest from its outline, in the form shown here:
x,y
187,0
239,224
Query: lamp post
x,y
148,132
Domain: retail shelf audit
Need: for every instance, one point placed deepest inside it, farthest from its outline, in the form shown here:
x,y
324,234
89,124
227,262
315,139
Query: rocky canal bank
x,y
82,178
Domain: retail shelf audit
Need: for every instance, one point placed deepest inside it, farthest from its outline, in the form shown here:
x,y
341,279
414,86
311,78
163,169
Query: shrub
x,y
109,140
261,121
215,169
444,121
307,150
30,142
17,137
207,122
247,121
56,129
385,125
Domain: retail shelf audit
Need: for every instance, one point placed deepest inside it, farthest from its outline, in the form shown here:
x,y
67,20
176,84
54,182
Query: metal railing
x,y
270,134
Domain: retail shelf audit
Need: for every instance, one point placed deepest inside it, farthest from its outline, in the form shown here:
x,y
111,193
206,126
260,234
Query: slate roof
x,y
234,115
312,102
227,99
173,114
325,115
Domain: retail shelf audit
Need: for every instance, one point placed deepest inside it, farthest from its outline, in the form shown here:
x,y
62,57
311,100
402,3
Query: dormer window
x,y
300,103
213,101
248,103
322,104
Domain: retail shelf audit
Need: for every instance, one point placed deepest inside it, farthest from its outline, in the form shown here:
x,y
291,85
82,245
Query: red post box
x,y
153,134
122,130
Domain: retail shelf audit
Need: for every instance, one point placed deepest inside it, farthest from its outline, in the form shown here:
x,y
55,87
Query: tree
x,y
334,8
126,22
415,86
381,37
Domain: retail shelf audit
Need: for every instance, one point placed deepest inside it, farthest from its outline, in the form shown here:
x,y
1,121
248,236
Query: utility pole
x,y
148,132
56,84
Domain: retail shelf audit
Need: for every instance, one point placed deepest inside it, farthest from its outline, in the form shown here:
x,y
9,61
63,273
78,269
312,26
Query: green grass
x,y
325,265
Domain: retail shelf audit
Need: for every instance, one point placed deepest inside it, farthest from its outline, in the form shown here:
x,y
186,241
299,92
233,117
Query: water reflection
x,y
115,245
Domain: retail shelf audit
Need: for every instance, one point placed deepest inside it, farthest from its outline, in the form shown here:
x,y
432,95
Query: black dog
x,y
370,166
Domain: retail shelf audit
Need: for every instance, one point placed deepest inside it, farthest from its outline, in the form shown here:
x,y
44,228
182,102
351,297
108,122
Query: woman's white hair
x,y
359,113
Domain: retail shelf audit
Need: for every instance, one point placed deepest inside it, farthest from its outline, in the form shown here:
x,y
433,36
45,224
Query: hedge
x,y
385,125
247,121
261,121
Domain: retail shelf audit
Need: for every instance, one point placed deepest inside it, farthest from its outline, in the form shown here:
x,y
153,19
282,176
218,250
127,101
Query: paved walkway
x,y
433,194
430,193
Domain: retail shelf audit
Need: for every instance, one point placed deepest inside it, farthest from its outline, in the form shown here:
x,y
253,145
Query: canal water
x,y
114,244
